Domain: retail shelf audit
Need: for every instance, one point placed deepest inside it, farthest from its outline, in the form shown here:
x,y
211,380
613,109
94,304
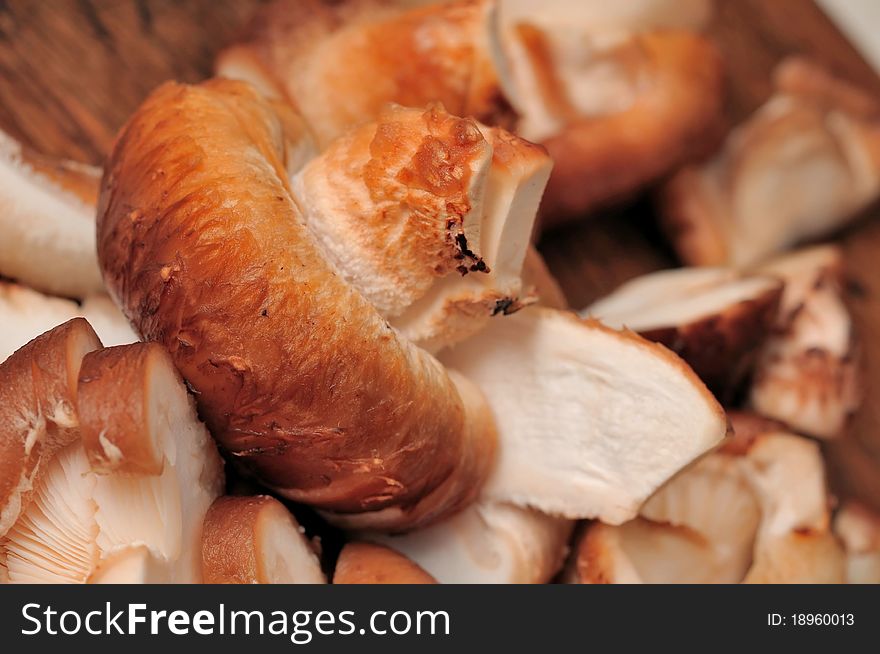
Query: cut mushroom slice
x,y
26,313
799,168
808,373
256,540
714,318
48,222
143,475
38,386
591,421
859,529
367,563
615,114
488,543
758,514
452,205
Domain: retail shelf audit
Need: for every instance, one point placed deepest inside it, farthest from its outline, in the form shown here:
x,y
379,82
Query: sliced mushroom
x,y
802,166
714,318
591,421
859,529
48,222
25,313
256,540
367,563
488,543
753,513
616,112
428,217
808,373
126,502
38,386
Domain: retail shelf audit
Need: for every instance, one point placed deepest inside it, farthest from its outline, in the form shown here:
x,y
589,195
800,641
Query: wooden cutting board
x,y
71,71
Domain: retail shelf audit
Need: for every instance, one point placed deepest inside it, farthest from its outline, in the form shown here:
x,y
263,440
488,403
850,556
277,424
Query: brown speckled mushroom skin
x,y
294,372
722,348
38,417
367,563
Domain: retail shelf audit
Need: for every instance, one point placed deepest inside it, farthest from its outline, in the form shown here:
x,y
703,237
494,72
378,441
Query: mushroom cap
x,y
48,222
38,386
714,318
591,421
256,540
368,563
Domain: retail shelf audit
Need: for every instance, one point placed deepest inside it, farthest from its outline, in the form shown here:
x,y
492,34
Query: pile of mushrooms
x,y
342,300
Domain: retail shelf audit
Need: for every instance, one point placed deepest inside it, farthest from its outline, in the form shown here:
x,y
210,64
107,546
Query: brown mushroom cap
x,y
38,417
256,540
368,563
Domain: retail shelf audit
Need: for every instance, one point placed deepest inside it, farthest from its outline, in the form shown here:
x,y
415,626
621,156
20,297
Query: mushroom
x,y
437,249
714,318
755,511
615,110
808,372
48,221
591,421
256,540
488,543
125,498
802,166
368,563
858,527
38,417
25,313
299,377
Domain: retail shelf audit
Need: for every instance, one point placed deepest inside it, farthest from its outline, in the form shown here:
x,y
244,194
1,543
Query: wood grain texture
x,y
71,71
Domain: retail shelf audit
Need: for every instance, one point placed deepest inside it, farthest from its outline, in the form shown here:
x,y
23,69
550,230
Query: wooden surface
x,y
71,71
